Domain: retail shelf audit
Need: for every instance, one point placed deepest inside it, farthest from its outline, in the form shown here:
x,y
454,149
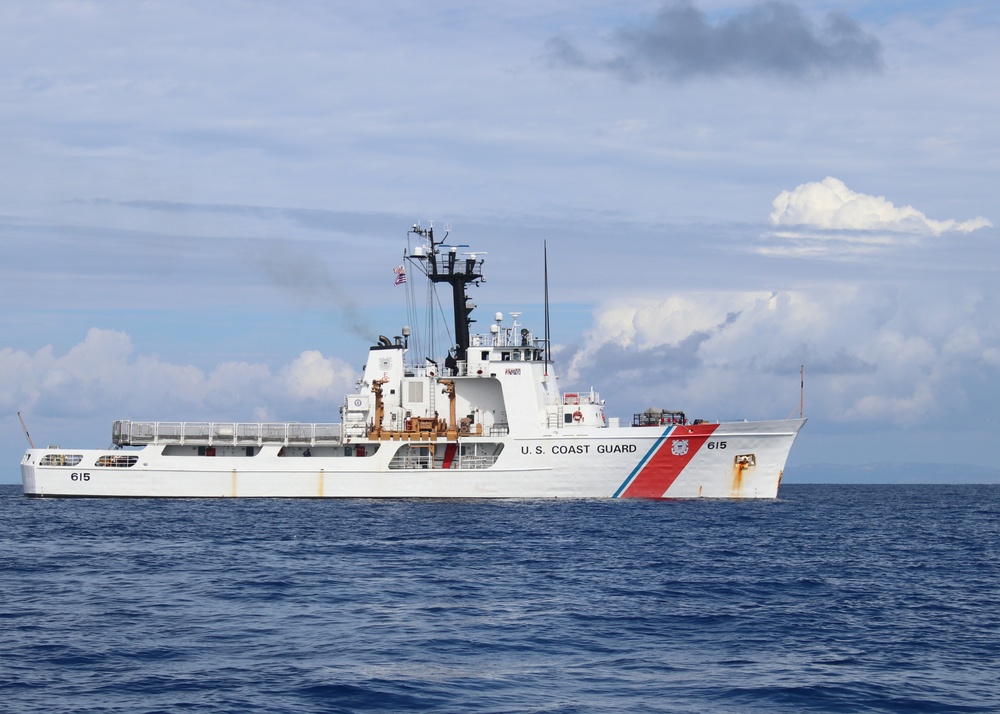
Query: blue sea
x,y
841,598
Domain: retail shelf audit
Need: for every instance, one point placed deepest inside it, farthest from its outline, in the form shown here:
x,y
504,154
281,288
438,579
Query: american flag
x,y
400,272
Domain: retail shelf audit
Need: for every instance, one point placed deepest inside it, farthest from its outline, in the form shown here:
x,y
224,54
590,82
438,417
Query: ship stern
x,y
28,473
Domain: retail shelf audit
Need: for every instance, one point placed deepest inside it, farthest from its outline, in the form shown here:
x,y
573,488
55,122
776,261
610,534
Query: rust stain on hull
x,y
742,465
737,487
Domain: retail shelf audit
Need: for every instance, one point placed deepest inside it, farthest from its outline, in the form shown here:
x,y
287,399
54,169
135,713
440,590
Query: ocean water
x,y
829,599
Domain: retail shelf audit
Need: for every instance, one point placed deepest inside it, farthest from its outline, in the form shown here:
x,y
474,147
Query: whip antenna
x,y
23,426
802,392
548,344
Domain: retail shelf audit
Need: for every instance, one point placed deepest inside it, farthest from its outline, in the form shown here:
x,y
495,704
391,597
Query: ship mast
x,y
447,267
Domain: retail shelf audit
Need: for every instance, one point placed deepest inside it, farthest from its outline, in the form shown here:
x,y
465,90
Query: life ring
x,y
577,416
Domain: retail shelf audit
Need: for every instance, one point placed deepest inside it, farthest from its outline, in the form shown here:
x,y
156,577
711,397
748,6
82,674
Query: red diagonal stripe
x,y
665,466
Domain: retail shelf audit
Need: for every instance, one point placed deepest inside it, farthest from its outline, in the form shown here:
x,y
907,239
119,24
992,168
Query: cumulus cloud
x,y
871,354
681,42
101,374
830,205
311,376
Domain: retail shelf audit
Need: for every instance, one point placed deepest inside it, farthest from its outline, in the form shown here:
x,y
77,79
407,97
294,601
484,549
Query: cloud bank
x,y
680,42
102,374
876,355
830,205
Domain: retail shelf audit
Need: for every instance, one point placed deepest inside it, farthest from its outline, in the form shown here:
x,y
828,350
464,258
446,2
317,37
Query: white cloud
x,y
643,324
100,374
871,354
878,407
313,376
830,205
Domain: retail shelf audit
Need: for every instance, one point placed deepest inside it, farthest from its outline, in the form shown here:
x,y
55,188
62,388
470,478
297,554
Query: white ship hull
x,y
489,422
728,460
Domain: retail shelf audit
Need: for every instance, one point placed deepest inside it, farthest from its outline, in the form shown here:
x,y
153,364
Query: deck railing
x,y
137,433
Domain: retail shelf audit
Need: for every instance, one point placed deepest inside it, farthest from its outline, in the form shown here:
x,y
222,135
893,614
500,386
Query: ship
x,y
487,420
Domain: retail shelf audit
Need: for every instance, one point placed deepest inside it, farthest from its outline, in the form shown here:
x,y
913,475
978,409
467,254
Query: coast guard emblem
x,y
679,447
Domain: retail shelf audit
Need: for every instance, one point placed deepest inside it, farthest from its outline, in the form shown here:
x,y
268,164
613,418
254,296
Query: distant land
x,y
891,472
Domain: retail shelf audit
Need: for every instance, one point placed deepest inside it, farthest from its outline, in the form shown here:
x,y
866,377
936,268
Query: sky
x,y
201,205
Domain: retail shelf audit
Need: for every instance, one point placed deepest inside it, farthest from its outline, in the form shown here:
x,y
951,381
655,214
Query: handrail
x,y
136,433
